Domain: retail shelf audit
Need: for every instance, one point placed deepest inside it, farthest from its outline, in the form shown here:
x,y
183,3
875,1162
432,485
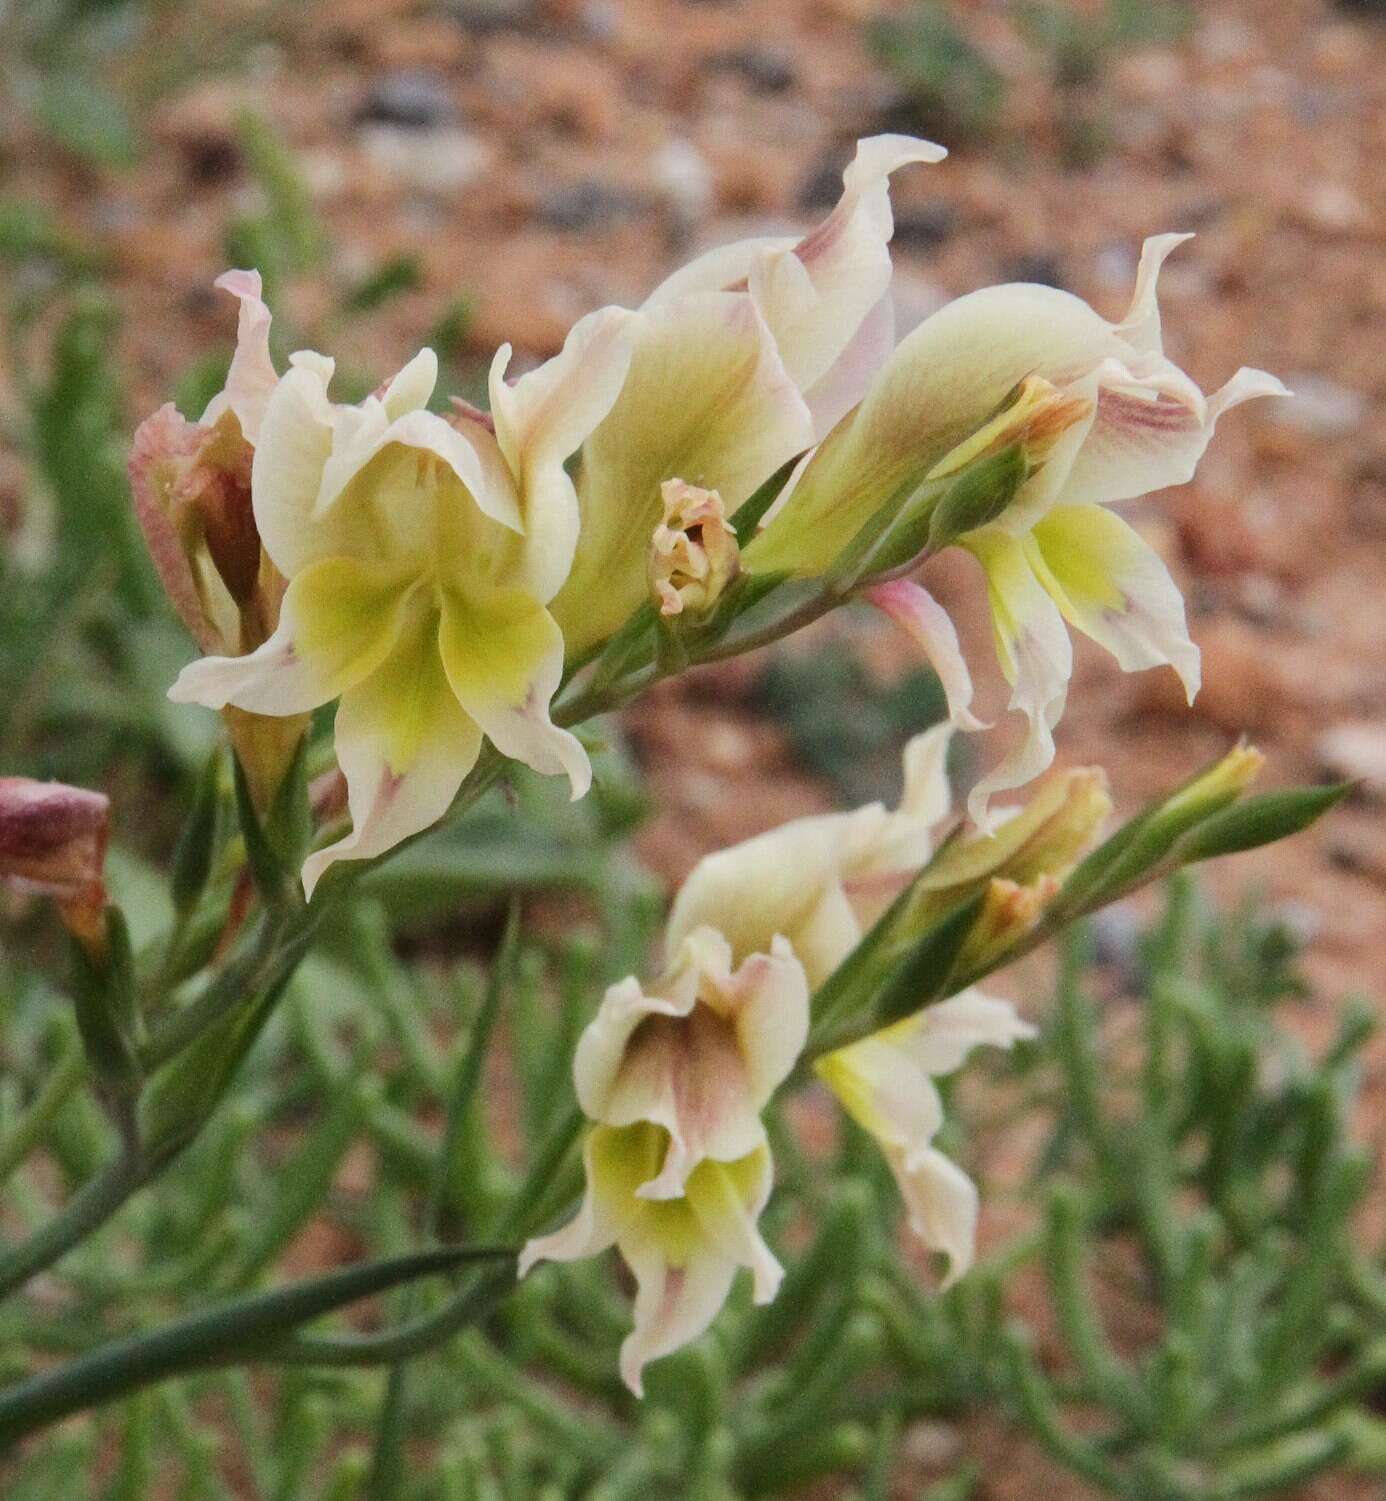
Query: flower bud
x,y
1043,839
1009,911
693,555
52,837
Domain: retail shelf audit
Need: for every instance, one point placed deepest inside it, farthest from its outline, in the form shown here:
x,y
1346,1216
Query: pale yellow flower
x,y
886,1084
742,360
421,553
699,1054
820,881
1133,422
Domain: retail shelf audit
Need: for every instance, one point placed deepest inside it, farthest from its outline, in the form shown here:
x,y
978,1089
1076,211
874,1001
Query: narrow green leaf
x,y
401,273
227,1334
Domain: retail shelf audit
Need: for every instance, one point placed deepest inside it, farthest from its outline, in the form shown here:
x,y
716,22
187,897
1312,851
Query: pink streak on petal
x,y
926,623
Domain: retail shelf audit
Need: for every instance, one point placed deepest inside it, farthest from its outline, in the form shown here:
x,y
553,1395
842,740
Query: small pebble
x,y
926,227
766,69
589,204
413,100
1042,269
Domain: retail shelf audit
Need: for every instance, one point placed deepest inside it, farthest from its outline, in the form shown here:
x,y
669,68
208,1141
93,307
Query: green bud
x,y
980,494
103,994
197,844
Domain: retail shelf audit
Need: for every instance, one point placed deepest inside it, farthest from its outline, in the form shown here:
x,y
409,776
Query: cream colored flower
x,y
421,554
886,1084
742,360
699,1055
684,1252
821,881
1134,422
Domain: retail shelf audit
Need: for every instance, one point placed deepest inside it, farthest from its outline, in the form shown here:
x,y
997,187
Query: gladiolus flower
x,y
421,554
742,360
678,1167
820,881
1117,419
699,1056
886,1084
684,1252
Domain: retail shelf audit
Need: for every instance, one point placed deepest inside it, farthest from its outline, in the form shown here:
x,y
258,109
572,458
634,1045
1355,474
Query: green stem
x,y
88,1209
529,1208
230,1333
29,1130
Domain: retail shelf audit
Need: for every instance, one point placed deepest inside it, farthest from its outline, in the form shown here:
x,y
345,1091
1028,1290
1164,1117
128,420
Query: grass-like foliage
x,y
1184,1231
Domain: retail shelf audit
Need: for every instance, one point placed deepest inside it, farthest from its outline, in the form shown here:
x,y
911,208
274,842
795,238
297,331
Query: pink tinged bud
x,y
191,488
164,447
53,839
694,553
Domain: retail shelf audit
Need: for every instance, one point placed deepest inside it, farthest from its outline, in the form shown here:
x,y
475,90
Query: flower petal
x,y
504,659
706,400
1141,325
883,1089
404,746
941,1205
727,1199
939,1038
824,297
785,881
543,418
685,1255
1035,654
928,794
294,445
816,297
338,622
612,1173
929,626
673,1304
699,1058
252,375
1113,586
410,389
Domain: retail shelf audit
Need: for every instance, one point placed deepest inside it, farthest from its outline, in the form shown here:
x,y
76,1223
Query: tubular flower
x,y
821,881
699,1057
421,554
684,1252
742,360
1128,421
886,1084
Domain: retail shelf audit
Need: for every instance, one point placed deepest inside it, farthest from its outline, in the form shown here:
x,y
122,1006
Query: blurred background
x,y
467,172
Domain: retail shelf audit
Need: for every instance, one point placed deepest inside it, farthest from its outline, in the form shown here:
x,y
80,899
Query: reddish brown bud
x,y
53,840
